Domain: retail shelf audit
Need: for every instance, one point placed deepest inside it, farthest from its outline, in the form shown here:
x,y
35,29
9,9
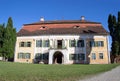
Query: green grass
x,y
38,72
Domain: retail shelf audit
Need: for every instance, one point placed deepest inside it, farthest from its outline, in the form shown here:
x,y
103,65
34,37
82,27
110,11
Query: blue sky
x,y
28,11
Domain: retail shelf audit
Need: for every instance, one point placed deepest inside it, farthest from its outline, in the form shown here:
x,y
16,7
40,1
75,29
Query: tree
x,y
114,28
1,38
9,39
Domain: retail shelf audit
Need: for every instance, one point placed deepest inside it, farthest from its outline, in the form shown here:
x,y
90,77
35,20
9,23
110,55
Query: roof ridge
x,y
62,22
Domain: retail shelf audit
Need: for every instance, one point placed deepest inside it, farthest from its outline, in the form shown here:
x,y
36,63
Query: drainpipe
x,y
108,50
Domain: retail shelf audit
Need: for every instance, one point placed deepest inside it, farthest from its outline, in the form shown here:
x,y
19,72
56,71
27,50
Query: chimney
x,y
82,18
42,19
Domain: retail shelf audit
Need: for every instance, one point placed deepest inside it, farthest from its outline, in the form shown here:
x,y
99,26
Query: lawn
x,y
39,72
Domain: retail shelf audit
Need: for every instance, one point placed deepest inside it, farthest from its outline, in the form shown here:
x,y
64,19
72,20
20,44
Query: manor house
x,y
62,42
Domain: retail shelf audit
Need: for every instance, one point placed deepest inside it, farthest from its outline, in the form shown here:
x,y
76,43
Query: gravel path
x,y
113,75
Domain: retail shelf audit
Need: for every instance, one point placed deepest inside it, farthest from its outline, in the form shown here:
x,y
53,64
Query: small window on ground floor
x,y
93,56
27,55
81,56
40,56
24,55
72,56
20,55
77,56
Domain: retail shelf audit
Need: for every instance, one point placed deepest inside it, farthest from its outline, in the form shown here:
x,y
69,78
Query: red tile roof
x,y
62,27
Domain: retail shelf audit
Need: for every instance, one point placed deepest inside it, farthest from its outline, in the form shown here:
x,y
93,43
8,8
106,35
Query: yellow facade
x,y
98,50
25,50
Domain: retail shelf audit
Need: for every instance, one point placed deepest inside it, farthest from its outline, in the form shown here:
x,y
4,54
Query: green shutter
x,y
43,43
69,43
96,43
63,43
55,43
18,55
71,56
76,43
48,43
25,44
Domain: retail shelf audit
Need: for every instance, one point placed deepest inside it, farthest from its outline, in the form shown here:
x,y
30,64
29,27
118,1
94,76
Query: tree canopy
x,y
7,39
114,28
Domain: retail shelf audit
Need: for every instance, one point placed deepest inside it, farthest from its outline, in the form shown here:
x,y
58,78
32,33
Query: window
x,y
80,43
96,43
81,56
76,26
40,56
45,56
21,44
100,44
77,57
25,44
28,44
93,56
100,55
92,44
72,56
38,43
46,43
20,55
27,55
23,55
72,43
43,27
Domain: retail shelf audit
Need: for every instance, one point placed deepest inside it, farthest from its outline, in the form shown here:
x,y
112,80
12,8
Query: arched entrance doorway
x,y
57,58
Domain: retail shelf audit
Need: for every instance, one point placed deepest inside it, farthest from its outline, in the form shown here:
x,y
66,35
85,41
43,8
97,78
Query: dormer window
x,y
76,26
43,27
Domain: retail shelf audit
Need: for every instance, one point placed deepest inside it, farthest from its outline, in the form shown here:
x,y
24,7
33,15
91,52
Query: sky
x,y
30,11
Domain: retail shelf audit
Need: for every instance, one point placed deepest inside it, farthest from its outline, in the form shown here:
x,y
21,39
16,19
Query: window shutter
x,y
77,57
18,55
76,43
36,43
63,43
48,43
90,43
102,43
25,44
55,43
43,43
82,43
96,43
83,56
69,43
71,57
